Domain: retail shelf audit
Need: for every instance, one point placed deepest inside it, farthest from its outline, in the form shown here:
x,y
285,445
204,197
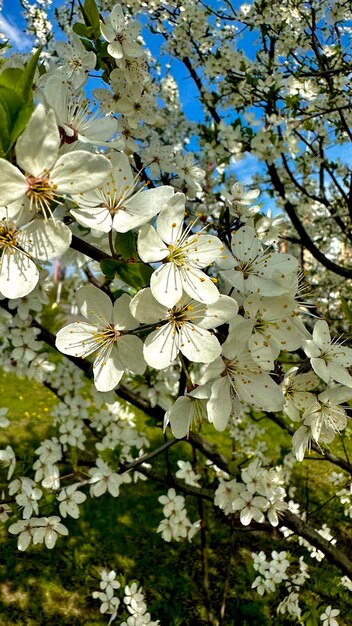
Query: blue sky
x,y
12,24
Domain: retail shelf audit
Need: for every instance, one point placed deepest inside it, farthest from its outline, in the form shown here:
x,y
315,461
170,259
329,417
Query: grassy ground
x,y
41,587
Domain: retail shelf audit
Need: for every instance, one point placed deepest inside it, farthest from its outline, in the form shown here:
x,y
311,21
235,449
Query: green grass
x,y
42,588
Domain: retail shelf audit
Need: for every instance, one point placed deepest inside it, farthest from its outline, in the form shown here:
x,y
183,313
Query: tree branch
x,y
305,238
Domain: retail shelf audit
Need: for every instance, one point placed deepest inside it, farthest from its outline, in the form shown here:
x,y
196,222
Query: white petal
x,y
77,339
238,337
122,174
102,130
161,347
24,540
146,309
198,285
50,539
311,350
45,240
95,305
300,442
340,374
321,333
259,390
13,184
261,351
37,148
114,48
122,317
220,312
107,372
179,417
130,351
108,33
151,247
79,171
117,18
244,244
198,344
18,274
166,284
281,266
219,406
141,207
202,249
320,368
97,218
170,221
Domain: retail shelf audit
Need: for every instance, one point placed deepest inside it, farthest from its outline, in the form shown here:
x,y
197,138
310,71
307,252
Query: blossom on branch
x,y
105,335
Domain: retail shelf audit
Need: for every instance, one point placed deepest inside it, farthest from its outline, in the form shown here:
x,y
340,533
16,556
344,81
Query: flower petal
x,y
161,347
170,220
77,339
146,309
38,146
141,207
197,344
122,317
130,351
13,184
45,240
151,247
95,305
219,406
107,371
166,284
198,285
18,274
79,171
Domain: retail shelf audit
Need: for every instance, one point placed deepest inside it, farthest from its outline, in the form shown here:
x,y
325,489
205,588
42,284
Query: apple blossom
x,y
76,61
329,360
121,35
116,203
105,335
48,177
183,256
256,270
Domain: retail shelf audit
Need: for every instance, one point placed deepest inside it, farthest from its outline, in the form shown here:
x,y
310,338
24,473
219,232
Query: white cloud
x,y
16,37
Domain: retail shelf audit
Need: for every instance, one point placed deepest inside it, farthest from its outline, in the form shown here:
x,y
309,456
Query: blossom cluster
x,y
258,496
135,606
176,526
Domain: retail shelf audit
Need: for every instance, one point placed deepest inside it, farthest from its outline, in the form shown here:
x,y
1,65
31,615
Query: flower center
x,y
178,317
41,192
107,335
176,255
7,237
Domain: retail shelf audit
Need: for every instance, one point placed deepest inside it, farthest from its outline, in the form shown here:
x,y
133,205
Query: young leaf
x,y
126,245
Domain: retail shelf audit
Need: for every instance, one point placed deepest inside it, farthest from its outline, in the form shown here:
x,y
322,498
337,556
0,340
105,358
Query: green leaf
x,y
137,275
347,310
11,78
108,267
11,104
28,76
80,29
126,245
91,16
4,130
16,99
20,122
19,80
